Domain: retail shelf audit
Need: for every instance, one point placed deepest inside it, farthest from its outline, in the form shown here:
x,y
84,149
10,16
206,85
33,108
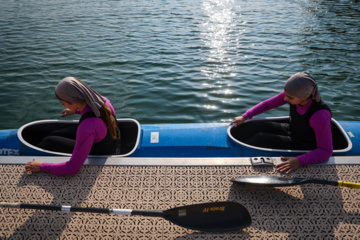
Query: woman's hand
x,y
238,120
33,166
67,112
290,164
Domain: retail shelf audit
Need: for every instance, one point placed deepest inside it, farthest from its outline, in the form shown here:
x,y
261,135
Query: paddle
x,y
216,216
286,181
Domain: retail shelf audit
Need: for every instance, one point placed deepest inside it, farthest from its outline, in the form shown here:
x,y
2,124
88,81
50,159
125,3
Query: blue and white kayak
x,y
206,140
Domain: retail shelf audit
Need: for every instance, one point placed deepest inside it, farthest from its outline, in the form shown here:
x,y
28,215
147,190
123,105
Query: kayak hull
x,y
177,141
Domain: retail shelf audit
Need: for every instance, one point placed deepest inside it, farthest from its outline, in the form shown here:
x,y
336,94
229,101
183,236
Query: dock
x,y
309,211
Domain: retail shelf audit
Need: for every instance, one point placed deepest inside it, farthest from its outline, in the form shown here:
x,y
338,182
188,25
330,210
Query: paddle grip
x,y
348,184
10,205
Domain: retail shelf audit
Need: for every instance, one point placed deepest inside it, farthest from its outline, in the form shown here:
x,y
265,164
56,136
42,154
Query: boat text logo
x,y
9,152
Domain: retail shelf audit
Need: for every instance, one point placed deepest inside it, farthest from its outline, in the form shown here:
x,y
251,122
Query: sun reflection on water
x,y
222,43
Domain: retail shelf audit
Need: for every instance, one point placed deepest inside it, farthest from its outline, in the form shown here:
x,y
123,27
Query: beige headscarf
x,y
73,90
303,86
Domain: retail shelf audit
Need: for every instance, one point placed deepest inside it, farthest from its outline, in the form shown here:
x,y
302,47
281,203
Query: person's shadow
x,y
309,211
70,190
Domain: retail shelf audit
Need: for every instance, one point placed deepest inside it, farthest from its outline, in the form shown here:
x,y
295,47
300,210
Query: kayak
x,y
190,140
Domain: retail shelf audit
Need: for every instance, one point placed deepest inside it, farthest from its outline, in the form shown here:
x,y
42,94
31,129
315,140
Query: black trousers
x,y
62,140
268,135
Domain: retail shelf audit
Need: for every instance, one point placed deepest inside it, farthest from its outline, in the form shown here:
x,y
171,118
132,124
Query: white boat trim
x,y
350,145
19,134
181,162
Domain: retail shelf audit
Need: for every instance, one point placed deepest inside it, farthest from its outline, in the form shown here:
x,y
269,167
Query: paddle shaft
x,y
273,181
82,209
334,183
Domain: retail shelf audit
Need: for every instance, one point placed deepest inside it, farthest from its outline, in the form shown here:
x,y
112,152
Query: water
x,y
182,61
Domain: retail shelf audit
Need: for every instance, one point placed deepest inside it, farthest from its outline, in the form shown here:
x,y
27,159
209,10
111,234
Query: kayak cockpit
x,y
341,141
32,134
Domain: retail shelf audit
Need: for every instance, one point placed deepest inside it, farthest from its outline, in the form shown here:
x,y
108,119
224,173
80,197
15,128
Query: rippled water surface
x,y
177,61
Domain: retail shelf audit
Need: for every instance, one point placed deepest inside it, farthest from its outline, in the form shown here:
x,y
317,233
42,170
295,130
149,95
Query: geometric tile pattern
x,y
309,211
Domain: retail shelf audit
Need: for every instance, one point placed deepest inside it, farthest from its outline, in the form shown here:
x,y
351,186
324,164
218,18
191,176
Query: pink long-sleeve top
x,y
91,130
320,123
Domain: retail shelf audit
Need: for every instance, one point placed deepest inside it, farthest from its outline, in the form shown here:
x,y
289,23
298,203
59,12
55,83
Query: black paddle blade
x,y
217,216
266,181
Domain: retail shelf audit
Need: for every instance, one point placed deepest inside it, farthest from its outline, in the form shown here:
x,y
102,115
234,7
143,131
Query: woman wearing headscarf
x,y
96,134
309,126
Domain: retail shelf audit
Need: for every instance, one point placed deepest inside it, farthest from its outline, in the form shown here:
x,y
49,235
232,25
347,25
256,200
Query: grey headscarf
x,y
303,86
73,90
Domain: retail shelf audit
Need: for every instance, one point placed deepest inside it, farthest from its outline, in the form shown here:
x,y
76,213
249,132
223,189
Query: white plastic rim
x,y
19,134
285,150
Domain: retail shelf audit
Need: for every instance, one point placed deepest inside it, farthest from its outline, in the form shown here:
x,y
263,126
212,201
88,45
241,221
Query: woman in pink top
x,y
96,134
309,127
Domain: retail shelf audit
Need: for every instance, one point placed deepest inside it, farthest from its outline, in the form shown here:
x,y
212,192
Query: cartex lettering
x,y
9,152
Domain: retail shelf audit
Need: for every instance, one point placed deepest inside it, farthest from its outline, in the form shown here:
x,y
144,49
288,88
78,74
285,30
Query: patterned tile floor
x,y
300,212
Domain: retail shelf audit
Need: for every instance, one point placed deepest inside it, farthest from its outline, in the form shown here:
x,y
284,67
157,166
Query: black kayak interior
x,y
34,133
340,142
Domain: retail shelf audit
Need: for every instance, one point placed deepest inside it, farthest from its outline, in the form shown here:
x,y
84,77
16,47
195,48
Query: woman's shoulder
x,y
91,125
320,118
322,114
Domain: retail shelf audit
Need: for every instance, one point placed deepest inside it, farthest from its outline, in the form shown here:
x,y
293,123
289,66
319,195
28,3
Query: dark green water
x,y
177,61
